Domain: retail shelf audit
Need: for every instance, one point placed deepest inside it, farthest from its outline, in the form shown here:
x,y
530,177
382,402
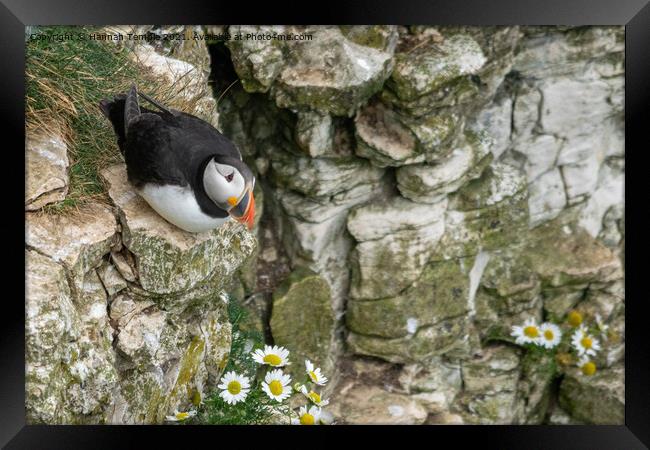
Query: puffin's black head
x,y
229,183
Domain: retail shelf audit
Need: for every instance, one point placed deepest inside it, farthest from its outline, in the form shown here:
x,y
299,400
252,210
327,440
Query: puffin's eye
x,y
230,177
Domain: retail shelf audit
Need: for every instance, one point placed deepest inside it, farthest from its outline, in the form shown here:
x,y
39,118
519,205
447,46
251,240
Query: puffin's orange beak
x,y
249,215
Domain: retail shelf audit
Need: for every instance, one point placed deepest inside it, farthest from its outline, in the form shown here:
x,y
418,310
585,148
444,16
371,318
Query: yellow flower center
x,y
314,397
182,415
234,387
586,342
531,331
589,368
548,334
306,419
574,318
273,360
276,387
313,376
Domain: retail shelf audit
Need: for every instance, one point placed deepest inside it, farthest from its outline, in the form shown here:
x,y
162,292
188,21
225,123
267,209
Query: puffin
x,y
186,170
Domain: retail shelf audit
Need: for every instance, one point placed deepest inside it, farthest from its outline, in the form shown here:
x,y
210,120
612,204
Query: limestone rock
x,y
46,169
123,266
50,319
69,360
605,204
487,213
558,416
383,138
315,133
553,53
599,399
396,238
568,255
190,48
302,319
444,418
166,360
441,338
258,62
170,260
188,83
435,384
321,176
509,293
490,387
331,73
440,293
370,405
546,197
430,183
111,279
78,241
420,70
496,120
537,374
320,209
140,338
382,37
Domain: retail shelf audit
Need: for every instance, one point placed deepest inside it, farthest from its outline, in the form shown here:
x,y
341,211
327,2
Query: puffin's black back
x,y
167,147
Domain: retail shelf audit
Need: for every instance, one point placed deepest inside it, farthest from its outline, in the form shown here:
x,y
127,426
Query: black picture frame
x,y
634,14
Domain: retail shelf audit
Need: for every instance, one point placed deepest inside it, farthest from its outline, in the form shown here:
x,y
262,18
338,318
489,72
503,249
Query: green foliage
x,y
256,408
252,411
64,82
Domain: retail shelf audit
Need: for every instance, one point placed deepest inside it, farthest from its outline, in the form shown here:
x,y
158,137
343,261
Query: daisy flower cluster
x,y
234,387
579,339
547,335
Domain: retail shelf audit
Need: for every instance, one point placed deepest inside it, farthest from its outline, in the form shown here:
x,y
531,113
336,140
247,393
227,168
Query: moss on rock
x,y
302,319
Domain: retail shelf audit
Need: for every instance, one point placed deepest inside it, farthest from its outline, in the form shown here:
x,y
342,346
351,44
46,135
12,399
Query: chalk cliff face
x,y
446,183
423,190
125,314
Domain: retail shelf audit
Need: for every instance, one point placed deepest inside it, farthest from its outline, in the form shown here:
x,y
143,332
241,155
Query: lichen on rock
x,y
170,260
46,169
304,298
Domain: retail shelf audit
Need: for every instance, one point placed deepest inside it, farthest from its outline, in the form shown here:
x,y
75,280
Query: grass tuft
x,y
64,83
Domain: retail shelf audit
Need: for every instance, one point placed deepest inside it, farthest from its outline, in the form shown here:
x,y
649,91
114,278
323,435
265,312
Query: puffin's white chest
x,y
178,205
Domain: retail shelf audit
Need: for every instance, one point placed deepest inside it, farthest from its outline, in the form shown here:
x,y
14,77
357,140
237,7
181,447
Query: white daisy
x,y
234,387
587,367
602,327
276,385
326,417
273,356
584,343
306,416
315,374
527,333
180,416
314,397
550,335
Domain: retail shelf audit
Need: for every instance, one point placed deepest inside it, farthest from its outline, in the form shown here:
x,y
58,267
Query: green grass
x,y
64,83
254,410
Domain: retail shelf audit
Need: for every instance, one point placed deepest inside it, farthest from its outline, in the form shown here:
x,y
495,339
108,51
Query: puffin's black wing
x,y
166,146
205,131
152,153
199,128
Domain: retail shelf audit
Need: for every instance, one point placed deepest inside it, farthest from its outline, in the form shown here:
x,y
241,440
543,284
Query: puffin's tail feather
x,y
131,108
114,111
158,105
